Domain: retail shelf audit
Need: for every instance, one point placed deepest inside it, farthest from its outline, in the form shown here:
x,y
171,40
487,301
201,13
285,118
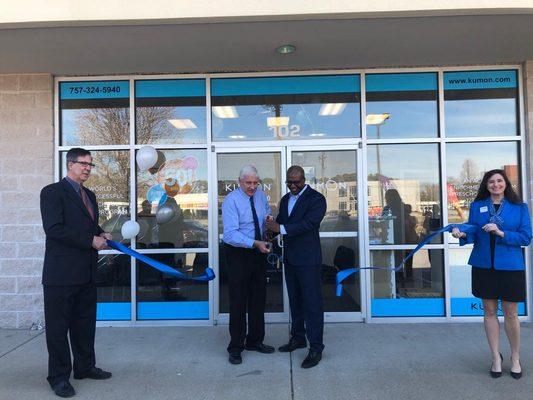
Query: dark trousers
x,y
247,292
69,310
304,287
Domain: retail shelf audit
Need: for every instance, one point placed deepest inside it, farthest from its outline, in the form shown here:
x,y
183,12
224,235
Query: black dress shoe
x,y
94,373
496,374
235,358
293,345
261,348
517,375
64,389
312,359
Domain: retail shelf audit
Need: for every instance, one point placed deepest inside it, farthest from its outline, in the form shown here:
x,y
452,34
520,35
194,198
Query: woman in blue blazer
x,y
502,227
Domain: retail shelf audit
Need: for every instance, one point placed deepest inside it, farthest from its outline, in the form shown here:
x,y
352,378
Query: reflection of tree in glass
x,y
470,171
107,126
152,124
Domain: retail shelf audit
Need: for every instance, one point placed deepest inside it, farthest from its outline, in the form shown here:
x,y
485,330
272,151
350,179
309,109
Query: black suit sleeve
x,y
54,224
314,215
98,227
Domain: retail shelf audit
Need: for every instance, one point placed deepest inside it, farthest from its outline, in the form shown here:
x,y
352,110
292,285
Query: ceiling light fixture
x,y
183,123
225,112
332,109
286,49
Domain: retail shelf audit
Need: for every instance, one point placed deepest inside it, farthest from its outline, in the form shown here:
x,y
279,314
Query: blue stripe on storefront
x,y
400,82
173,310
94,90
480,80
113,311
285,85
471,306
408,307
170,88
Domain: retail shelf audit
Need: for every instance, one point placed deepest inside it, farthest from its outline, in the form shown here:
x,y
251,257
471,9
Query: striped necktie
x,y
87,202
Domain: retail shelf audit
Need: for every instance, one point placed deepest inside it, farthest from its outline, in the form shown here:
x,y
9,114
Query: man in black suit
x,y
300,213
73,238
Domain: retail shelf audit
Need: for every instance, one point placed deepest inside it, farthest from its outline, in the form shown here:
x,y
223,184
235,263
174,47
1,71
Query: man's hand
x,y
106,236
272,225
99,243
263,247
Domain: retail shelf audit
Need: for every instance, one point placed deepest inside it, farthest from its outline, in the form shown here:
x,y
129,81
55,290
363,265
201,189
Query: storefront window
x,y
401,106
172,201
285,108
94,113
114,287
162,296
404,192
481,103
170,111
415,291
465,165
332,173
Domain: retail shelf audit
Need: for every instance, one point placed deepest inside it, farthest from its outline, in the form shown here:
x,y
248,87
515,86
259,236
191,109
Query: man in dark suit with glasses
x,y
73,237
300,213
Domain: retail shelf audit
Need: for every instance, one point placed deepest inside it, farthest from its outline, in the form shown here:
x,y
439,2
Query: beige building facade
x,y
227,55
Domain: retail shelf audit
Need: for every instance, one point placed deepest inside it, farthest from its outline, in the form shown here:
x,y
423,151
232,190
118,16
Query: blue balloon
x,y
156,194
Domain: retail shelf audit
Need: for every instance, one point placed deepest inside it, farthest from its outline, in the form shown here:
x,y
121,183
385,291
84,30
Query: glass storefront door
x,y
332,172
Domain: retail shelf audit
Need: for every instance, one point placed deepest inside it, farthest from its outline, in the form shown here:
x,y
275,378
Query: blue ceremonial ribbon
x,y
208,275
345,273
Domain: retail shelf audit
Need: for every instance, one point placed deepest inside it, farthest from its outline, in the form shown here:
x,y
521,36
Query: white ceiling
x,y
249,46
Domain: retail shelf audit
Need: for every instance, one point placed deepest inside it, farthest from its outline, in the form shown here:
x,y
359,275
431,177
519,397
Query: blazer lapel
x,y
75,197
299,201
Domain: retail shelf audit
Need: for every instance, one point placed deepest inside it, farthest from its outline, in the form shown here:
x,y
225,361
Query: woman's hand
x,y
456,233
492,228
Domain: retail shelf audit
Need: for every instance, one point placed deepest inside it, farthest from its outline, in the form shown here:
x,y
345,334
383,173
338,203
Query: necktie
x,y
87,202
256,220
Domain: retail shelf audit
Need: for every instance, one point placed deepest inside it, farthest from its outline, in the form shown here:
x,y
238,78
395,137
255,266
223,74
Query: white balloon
x,y
164,214
146,157
130,229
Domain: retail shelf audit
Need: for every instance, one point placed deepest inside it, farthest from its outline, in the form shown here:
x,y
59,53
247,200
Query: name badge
x,y
483,209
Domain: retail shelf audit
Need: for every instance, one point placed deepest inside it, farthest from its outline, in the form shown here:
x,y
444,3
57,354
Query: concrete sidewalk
x,y
361,361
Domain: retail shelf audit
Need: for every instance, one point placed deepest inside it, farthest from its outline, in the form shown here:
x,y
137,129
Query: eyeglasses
x,y
289,183
84,164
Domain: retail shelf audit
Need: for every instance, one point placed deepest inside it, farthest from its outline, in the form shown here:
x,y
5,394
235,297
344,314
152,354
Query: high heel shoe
x,y
517,375
497,374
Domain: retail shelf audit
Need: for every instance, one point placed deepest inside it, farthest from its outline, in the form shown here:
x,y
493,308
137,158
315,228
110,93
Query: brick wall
x,y
26,165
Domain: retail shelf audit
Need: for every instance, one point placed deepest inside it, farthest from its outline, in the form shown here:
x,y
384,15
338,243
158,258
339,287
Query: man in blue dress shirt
x,y
244,212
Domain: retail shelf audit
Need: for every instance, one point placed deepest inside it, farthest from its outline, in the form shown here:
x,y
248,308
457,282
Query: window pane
x,y
94,113
333,173
281,108
415,291
162,296
110,182
465,165
114,287
339,254
481,103
172,201
170,111
401,105
463,303
404,197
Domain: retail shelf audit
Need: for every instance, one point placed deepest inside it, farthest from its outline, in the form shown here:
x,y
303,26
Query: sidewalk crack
x,y
20,345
